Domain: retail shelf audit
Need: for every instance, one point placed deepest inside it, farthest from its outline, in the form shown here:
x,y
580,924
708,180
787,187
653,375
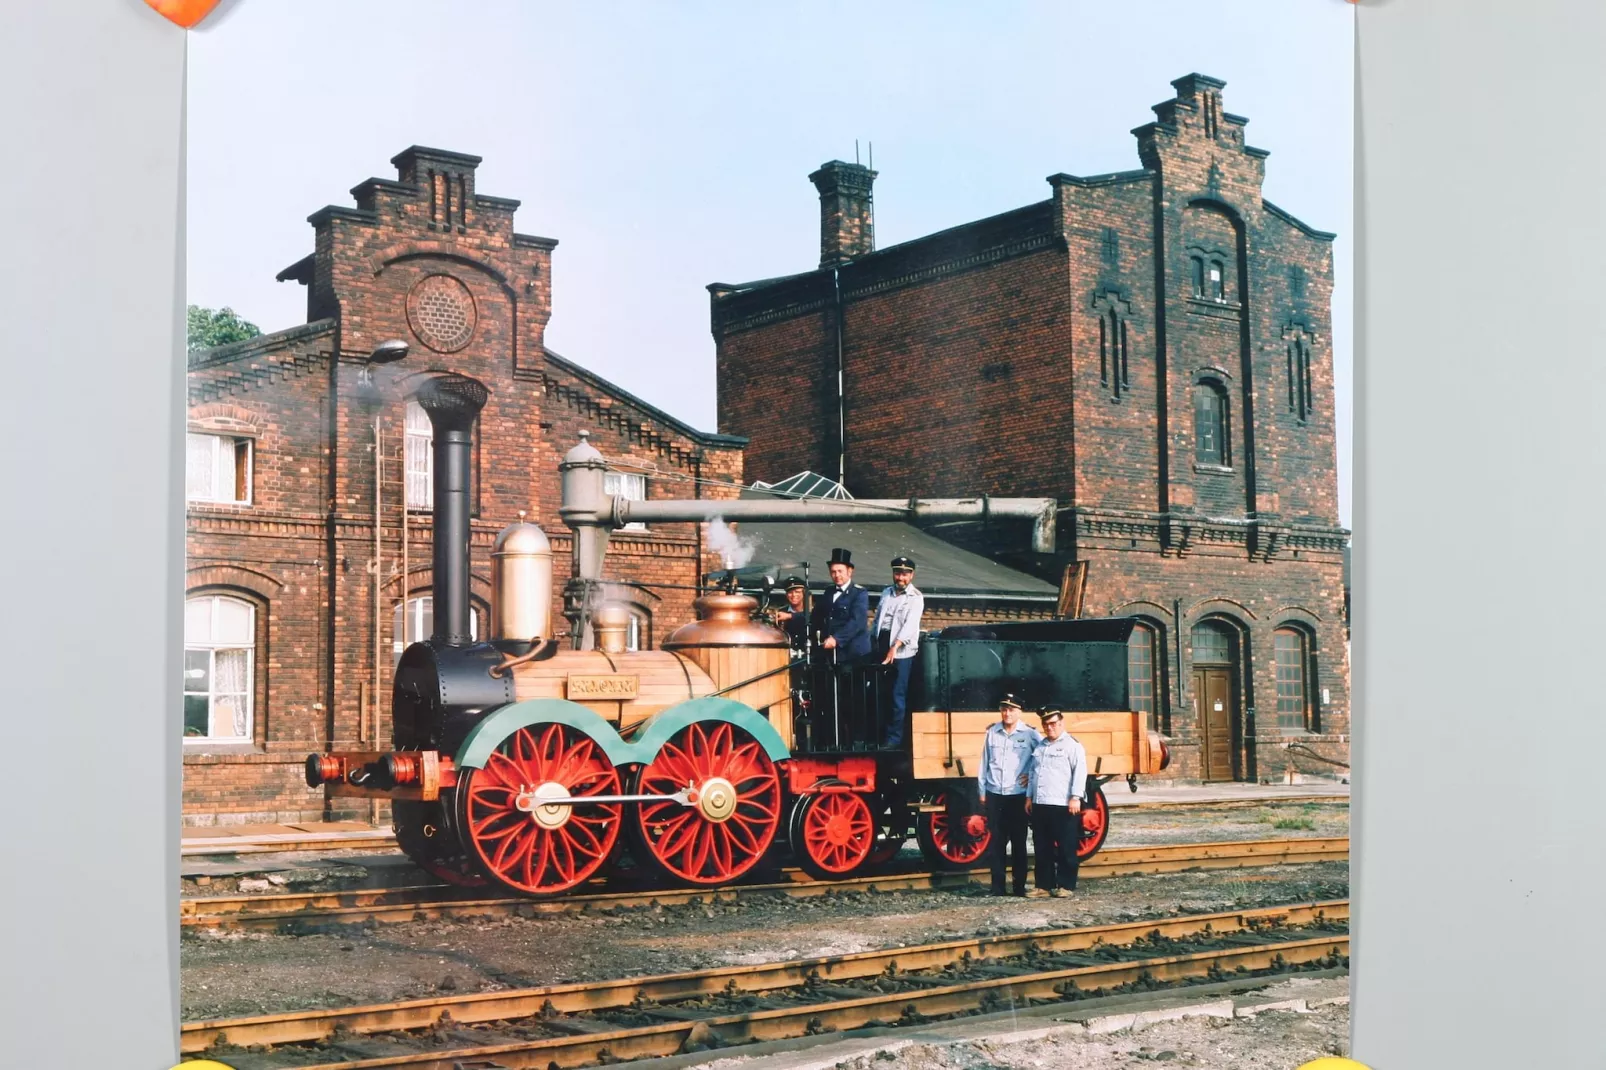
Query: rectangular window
x,y
420,460
1292,702
1198,277
1218,282
1140,669
631,487
217,468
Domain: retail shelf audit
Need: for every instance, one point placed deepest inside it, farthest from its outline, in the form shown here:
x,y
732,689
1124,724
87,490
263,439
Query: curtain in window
x,y
420,458
200,468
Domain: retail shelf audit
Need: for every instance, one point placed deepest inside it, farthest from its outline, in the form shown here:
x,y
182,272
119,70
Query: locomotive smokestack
x,y
452,402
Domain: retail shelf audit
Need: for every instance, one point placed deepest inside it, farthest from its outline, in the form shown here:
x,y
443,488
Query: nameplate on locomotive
x,y
610,688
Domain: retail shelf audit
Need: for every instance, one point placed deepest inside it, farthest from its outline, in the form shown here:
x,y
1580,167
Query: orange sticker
x,y
185,13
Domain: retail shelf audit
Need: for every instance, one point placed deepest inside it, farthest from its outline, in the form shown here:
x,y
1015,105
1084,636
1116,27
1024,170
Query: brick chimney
x,y
847,211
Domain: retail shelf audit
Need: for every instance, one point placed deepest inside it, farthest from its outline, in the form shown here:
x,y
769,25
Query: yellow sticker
x,y
1333,1063
202,1064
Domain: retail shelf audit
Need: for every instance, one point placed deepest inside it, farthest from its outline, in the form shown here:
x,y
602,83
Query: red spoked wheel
x,y
733,793
1095,825
832,834
423,835
530,847
950,843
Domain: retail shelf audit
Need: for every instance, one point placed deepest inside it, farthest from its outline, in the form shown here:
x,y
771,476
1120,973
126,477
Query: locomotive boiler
x,y
536,765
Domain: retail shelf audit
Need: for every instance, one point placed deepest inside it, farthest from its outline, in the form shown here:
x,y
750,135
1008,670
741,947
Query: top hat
x,y
903,562
840,556
793,581
1011,699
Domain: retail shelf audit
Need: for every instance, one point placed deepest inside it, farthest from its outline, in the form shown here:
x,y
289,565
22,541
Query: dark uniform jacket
x,y
847,621
796,628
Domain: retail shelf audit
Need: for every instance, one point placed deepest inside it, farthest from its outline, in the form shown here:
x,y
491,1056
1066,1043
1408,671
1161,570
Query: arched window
x,y
1197,264
1218,282
1142,669
1212,643
1210,424
419,624
420,460
1292,649
219,662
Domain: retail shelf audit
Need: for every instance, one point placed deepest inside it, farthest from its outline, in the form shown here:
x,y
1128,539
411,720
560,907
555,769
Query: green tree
x,y
217,327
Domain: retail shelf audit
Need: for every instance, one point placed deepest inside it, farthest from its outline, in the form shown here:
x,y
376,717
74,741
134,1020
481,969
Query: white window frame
x,y
632,486
222,447
634,631
418,457
413,630
211,646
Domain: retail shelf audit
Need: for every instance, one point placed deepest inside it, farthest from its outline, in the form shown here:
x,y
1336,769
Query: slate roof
x,y
942,569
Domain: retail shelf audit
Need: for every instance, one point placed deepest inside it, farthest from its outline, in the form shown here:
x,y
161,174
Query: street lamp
x,y
388,352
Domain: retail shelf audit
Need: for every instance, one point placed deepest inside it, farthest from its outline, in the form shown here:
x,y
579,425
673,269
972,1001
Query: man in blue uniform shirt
x,y
842,615
1006,758
897,632
1054,800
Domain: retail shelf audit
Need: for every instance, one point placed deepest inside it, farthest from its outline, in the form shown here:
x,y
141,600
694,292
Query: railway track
x,y
383,840
574,1025
309,911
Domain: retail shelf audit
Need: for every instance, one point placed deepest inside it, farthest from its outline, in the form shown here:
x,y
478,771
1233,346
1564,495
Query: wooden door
x,y
1212,705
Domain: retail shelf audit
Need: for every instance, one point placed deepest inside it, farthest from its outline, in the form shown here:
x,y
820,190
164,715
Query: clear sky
x,y
667,145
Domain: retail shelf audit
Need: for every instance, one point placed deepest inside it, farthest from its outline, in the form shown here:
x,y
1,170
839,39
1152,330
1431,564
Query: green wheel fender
x,y
486,736
661,728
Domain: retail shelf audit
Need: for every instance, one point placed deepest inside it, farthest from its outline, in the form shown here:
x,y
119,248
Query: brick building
x,y
1153,348
301,587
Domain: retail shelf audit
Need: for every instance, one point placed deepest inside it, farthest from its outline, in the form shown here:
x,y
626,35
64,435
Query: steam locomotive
x,y
519,763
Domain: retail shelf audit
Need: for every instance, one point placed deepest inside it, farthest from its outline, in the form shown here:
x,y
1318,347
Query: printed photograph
x,y
728,532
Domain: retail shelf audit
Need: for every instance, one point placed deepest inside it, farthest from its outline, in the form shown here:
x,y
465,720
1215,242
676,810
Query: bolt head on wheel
x,y
717,799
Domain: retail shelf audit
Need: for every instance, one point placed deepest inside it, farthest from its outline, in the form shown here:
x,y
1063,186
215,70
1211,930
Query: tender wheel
x,y
735,804
832,834
423,835
528,847
1095,825
948,843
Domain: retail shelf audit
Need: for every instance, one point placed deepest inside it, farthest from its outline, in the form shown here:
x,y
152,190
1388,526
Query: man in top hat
x,y
897,632
794,621
842,615
1006,759
1054,801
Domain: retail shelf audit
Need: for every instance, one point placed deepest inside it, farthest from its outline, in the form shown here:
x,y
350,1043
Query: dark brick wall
x,y
1056,350
303,551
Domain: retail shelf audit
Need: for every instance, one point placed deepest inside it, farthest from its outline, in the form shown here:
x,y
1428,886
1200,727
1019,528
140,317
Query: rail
x,y
314,911
639,1017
